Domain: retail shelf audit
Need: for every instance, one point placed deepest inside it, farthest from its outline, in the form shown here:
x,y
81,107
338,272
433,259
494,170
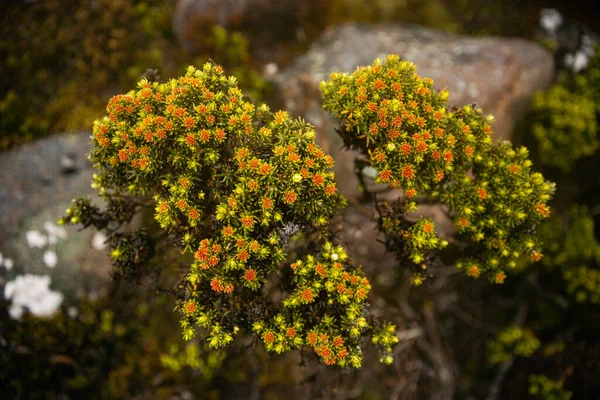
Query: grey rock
x,y
34,194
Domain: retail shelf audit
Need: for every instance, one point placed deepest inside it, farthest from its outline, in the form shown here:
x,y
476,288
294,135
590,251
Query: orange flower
x,y
448,156
411,192
267,203
182,204
252,185
254,246
247,221
204,135
220,134
216,285
280,117
321,270
379,85
428,228
421,147
190,140
179,113
330,189
482,193
291,332
500,277
290,197
243,255
254,163
228,231
536,256
190,307
473,271
439,175
189,122
385,175
408,172
193,214
318,179
543,210
250,275
514,168
307,295
269,337
201,254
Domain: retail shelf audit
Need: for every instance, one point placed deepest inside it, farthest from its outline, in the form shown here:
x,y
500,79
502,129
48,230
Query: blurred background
x,y
68,331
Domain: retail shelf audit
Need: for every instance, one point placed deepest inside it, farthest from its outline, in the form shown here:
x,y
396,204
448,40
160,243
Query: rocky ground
x,y
39,180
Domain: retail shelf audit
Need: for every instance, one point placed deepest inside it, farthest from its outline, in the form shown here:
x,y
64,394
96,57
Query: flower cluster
x,y
326,310
231,183
403,126
499,210
416,241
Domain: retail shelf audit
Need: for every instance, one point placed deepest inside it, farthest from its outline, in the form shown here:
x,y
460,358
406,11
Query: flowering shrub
x,y
402,125
231,183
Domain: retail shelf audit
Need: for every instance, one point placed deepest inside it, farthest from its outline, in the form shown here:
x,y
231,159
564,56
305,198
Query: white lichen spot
x,y
270,70
72,312
32,292
580,61
35,239
50,258
8,264
99,241
55,232
550,19
370,172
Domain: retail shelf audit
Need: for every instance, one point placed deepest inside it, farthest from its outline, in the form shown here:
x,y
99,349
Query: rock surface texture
x,y
39,180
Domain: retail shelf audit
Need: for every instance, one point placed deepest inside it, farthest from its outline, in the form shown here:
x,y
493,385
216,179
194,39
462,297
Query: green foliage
x,y
542,387
564,119
401,124
191,357
58,52
565,126
512,341
572,247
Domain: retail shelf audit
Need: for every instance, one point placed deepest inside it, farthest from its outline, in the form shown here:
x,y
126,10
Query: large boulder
x,y
39,180
499,75
192,18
